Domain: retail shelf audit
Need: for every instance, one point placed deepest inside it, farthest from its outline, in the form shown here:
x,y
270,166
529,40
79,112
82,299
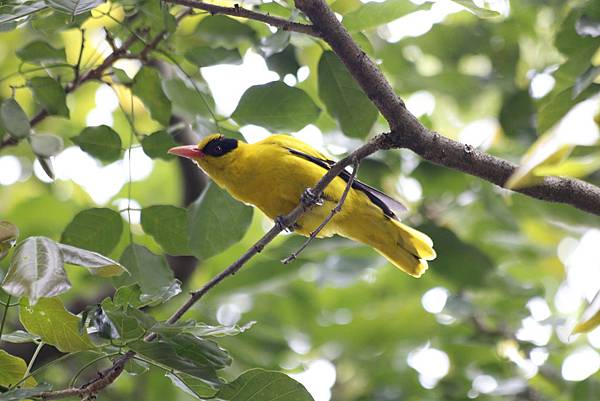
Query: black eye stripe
x,y
220,146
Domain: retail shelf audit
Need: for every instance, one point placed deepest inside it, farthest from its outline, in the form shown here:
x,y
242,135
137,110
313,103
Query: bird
x,y
273,174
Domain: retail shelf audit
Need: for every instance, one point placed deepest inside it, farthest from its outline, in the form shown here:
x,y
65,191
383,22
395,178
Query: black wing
x,y
389,206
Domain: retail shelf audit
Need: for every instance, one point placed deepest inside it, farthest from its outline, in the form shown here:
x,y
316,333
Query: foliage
x,y
94,93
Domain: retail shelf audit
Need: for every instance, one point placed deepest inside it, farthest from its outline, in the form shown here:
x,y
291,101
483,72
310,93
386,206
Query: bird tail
x,y
408,249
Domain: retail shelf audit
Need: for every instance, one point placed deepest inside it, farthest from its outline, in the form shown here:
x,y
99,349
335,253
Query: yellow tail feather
x,y
407,249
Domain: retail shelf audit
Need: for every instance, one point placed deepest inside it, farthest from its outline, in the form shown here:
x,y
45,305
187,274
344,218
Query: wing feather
x,y
388,205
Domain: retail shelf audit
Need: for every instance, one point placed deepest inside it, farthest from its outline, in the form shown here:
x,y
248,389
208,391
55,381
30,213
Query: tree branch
x,y
237,11
332,213
109,375
408,132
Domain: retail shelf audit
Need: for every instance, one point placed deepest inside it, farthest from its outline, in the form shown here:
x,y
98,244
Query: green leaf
x,y
462,264
204,56
371,15
13,370
54,324
222,31
147,86
277,107
517,115
192,386
97,229
14,120
284,62
74,7
203,352
168,226
263,385
39,52
475,9
150,271
46,145
156,16
50,95
49,24
96,264
215,222
136,367
14,11
126,322
120,76
157,144
8,237
275,43
20,337
36,270
199,329
101,142
128,295
18,394
345,101
553,108
188,101
164,353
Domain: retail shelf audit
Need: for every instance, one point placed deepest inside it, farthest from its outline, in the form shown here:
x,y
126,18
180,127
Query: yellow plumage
x,y
269,176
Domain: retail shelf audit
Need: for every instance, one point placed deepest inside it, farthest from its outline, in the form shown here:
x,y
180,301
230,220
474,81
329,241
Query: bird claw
x,y
309,198
280,221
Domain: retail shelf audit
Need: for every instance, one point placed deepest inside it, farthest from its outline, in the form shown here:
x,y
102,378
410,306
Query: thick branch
x,y
408,132
238,11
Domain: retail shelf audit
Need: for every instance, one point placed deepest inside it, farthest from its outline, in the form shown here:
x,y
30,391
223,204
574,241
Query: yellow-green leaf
x,y
54,324
12,369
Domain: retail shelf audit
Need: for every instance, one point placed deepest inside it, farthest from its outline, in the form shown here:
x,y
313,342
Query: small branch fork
x,y
334,211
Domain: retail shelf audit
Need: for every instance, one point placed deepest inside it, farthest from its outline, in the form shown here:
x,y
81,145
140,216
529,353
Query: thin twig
x,y
79,57
3,321
237,11
109,39
334,211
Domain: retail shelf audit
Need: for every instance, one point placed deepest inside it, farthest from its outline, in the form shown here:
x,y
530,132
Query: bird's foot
x,y
309,198
282,224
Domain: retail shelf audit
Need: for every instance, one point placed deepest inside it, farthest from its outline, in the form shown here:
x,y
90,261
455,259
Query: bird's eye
x,y
218,149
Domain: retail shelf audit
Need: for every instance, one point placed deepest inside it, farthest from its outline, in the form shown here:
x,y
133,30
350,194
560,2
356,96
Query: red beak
x,y
189,151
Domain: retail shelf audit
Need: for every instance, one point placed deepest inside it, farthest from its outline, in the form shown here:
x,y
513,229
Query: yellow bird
x,y
272,175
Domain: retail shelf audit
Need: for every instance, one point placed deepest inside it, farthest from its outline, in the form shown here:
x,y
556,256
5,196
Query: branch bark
x,y
237,11
408,132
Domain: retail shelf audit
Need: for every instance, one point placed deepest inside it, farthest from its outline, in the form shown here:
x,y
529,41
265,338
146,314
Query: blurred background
x,y
493,317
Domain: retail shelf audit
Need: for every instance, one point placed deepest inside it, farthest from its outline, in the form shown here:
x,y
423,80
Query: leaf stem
x,y
33,358
6,306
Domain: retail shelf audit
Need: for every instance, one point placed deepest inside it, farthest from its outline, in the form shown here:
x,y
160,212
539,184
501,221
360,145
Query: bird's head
x,y
214,151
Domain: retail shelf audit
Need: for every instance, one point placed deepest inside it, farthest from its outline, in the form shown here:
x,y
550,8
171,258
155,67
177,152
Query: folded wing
x,y
388,205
